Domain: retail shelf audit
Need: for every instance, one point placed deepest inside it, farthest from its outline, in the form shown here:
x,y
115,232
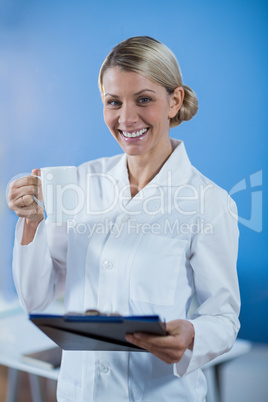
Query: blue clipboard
x,y
98,332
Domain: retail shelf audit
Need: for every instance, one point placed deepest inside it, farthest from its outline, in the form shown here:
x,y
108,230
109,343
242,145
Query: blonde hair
x,y
155,61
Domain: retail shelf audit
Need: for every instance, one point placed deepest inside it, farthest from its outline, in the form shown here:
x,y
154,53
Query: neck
x,y
143,168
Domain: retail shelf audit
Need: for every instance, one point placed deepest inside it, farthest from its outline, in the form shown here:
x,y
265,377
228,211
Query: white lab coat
x,y
175,240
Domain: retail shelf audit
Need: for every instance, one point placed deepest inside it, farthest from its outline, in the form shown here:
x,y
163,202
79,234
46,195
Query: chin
x,y
133,151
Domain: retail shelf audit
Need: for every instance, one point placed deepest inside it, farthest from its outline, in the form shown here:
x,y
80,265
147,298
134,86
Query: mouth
x,y
138,134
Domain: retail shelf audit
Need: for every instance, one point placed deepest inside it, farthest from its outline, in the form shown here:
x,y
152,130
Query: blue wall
x,y
51,111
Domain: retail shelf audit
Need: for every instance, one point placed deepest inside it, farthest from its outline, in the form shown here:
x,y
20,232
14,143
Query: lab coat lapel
x,y
175,172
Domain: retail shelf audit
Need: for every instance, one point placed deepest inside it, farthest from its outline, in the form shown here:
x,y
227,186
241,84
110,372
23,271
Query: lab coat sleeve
x,y
39,267
213,260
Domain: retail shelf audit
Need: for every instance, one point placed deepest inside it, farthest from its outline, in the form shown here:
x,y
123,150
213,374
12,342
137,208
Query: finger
x,y
32,211
16,194
22,203
154,340
28,190
25,212
168,355
27,200
36,172
142,343
138,342
24,181
172,326
183,331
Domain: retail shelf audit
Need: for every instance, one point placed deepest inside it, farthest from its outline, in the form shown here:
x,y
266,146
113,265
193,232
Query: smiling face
x,y
137,111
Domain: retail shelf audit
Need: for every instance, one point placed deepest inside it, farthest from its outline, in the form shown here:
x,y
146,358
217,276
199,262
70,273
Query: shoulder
x,y
213,199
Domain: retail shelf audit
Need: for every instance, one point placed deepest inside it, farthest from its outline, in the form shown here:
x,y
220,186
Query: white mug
x,y
59,187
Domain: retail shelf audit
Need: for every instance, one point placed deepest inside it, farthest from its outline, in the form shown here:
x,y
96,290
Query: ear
x,y
176,99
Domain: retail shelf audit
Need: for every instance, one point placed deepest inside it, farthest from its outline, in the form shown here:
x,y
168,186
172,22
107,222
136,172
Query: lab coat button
x,y
103,368
107,265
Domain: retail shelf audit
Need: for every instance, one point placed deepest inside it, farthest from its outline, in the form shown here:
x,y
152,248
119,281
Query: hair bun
x,y
188,109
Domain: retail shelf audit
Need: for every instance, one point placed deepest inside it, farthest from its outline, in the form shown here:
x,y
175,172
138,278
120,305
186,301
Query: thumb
x,y
36,172
172,326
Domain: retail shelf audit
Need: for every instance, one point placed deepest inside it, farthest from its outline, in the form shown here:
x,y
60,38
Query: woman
x,y
170,238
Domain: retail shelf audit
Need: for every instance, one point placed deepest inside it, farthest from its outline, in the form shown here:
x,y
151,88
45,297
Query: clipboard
x,y
98,332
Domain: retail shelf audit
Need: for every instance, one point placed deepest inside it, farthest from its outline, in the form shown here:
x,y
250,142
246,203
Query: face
x,y
137,111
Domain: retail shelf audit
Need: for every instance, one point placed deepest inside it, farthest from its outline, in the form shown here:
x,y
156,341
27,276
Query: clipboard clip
x,y
92,313
97,312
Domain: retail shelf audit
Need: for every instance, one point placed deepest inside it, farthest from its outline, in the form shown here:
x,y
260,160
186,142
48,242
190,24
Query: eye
x,y
144,99
113,102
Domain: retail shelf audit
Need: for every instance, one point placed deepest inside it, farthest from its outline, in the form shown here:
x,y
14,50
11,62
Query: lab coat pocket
x,y
155,269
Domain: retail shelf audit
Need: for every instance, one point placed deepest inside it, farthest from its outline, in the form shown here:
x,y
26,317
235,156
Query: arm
x,y
213,261
39,252
215,322
39,268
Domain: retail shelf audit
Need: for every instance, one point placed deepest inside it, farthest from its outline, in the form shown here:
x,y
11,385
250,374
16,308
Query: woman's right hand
x,y
21,200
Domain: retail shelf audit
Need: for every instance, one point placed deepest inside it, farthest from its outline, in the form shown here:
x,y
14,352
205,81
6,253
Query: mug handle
x,y
41,204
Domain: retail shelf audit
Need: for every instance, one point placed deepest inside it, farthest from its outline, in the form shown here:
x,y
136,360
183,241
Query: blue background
x,y
51,110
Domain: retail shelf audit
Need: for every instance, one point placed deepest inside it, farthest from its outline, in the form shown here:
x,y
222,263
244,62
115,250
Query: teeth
x,y
134,133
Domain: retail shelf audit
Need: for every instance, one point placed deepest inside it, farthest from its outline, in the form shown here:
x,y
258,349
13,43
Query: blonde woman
x,y
170,238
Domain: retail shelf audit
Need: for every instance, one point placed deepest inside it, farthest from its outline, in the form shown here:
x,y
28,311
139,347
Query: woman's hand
x,y
168,348
22,202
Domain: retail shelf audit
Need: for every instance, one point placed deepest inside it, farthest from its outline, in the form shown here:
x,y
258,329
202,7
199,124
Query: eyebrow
x,y
137,93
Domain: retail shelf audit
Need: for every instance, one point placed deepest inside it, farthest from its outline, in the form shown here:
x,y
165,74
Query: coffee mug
x,y
60,195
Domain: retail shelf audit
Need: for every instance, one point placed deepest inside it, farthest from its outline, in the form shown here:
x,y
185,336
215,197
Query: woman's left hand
x,y
170,348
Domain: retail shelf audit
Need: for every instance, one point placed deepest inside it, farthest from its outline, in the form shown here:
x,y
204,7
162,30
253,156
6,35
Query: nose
x,y
128,115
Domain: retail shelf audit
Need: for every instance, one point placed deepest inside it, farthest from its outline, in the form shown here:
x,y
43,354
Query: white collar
x,y
175,171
